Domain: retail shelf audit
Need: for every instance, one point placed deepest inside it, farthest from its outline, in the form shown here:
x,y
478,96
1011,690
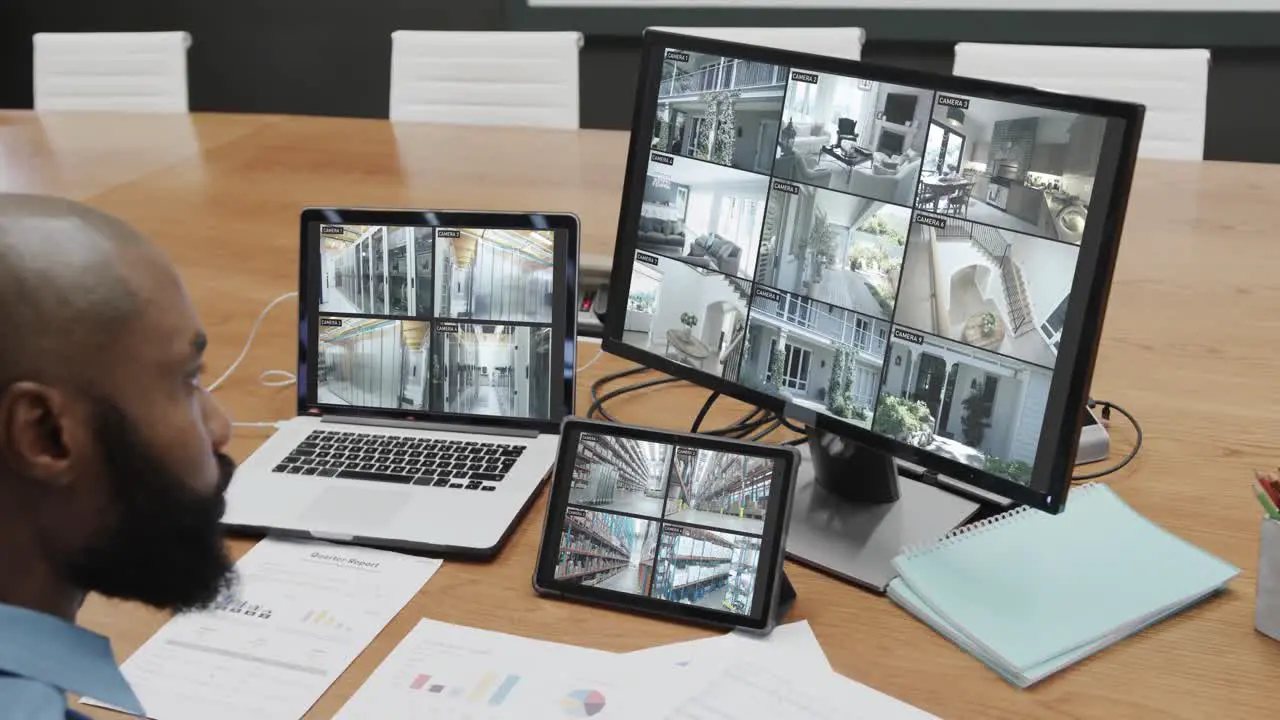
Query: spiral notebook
x,y
1030,593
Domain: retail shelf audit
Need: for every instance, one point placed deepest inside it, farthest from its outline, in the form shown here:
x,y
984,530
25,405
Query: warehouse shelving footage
x,y
679,524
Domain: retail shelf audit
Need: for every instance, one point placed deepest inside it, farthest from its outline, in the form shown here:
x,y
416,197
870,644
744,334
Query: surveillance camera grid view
x,y
443,320
675,523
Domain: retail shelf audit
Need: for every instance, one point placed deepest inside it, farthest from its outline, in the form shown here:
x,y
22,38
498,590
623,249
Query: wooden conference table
x,y
1190,341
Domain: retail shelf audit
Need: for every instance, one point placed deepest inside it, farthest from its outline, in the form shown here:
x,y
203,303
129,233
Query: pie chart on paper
x,y
582,703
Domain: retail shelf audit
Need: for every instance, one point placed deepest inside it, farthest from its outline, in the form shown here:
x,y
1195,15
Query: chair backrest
x,y
1173,84
111,72
841,42
485,78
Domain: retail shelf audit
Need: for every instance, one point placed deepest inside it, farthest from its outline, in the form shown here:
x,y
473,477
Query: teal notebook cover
x,y
1025,677
1027,587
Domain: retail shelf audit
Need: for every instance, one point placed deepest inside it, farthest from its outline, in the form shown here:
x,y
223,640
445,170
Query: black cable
x,y
777,423
598,405
597,401
706,407
1107,407
793,428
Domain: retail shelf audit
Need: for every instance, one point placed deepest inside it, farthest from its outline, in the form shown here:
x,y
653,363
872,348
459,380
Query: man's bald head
x,y
111,462
69,277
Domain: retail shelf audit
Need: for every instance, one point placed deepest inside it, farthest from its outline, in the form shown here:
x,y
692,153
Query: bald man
x,y
111,465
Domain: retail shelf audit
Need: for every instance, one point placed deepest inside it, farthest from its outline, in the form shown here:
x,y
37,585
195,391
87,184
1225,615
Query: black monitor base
x,y
855,510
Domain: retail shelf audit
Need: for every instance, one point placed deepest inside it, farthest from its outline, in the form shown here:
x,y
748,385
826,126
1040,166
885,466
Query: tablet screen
x,y
674,523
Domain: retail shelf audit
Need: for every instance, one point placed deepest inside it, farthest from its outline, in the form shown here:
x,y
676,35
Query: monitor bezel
x,y
773,538
563,326
1069,387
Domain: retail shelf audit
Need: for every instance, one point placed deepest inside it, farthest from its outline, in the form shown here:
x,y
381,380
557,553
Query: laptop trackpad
x,y
353,510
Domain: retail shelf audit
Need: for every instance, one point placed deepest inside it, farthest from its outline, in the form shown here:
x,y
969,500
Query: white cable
x,y
592,361
249,343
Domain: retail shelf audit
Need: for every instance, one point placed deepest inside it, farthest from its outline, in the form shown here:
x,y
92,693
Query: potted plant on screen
x,y
689,320
988,326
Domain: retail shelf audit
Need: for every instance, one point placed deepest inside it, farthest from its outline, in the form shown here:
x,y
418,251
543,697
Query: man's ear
x,y
37,432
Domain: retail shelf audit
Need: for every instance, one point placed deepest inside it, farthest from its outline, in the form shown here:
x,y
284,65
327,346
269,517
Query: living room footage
x,y
854,135
683,564
436,366
423,272
716,490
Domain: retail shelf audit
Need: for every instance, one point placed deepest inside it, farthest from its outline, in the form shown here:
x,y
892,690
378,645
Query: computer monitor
x,y
931,291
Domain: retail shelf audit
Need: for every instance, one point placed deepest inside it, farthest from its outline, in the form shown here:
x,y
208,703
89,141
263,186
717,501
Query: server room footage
x,y
893,256
433,319
673,523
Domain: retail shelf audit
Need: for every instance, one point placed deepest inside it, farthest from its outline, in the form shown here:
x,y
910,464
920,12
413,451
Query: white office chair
x,y
1173,84
841,42
485,78
111,72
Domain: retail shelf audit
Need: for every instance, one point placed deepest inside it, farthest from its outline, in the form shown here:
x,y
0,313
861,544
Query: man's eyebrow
x,y
199,343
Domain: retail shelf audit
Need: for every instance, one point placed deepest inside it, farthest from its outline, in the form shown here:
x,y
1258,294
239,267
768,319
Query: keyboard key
x,y
375,476
491,477
489,488
327,472
440,483
384,467
306,445
302,452
310,470
281,468
455,485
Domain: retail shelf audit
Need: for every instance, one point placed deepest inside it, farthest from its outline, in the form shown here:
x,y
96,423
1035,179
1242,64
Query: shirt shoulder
x,y
27,699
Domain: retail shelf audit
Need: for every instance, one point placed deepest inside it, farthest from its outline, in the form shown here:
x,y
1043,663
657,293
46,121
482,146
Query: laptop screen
x,y
439,320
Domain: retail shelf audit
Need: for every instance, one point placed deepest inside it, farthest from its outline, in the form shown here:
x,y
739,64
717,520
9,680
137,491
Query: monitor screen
x,y
910,287
437,320
672,523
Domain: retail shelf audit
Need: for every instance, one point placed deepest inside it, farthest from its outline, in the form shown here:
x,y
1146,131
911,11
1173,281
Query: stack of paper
x,y
449,671
302,611
1030,593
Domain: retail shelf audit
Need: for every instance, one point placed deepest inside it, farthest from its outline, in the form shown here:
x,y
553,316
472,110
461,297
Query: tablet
x,y
684,526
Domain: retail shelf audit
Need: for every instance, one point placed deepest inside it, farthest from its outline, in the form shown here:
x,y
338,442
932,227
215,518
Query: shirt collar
x,y
51,650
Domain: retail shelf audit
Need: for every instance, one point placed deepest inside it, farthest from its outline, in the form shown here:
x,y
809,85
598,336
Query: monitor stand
x,y
855,510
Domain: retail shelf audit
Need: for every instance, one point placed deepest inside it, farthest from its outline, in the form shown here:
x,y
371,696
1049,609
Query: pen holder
x,y
1267,618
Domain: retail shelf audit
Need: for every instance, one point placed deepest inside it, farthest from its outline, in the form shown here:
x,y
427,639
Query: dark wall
x,y
332,57
329,57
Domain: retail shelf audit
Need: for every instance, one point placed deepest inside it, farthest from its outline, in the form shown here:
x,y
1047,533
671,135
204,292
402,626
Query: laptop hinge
x,y
421,425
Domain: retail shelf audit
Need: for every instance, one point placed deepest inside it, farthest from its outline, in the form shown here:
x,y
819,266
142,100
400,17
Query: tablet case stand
x,y
786,599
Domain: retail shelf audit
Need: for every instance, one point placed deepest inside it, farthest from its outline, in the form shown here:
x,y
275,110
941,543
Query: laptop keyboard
x,y
458,464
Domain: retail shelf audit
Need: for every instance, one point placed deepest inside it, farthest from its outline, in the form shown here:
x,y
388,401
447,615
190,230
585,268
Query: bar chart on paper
x,y
452,672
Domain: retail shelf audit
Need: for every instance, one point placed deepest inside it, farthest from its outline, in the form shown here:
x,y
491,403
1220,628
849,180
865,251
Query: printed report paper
x,y
450,672
792,645
749,691
300,613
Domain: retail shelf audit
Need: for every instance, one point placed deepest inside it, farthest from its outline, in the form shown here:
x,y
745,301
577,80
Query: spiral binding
x,y
955,536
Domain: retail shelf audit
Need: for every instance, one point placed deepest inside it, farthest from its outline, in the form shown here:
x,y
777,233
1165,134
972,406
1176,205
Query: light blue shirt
x,y
43,657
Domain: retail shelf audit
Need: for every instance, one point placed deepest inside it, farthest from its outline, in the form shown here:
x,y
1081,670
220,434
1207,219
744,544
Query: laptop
x,y
435,363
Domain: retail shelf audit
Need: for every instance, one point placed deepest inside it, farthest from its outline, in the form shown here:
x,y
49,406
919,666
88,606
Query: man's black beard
x,y
163,543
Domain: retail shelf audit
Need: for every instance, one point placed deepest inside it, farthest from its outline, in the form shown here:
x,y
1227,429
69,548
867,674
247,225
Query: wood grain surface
x,y
1191,336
